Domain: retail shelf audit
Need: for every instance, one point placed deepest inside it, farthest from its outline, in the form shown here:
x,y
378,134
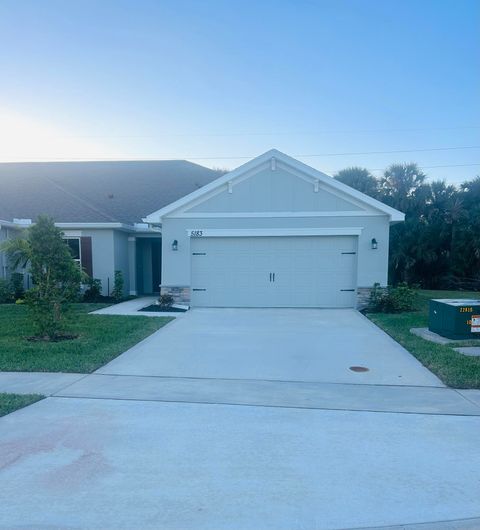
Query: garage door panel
x,y
315,271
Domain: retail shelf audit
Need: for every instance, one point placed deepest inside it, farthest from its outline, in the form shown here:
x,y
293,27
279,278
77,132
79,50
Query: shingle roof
x,y
89,192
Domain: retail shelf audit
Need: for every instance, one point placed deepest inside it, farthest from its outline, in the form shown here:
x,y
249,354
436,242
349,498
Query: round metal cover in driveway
x,y
359,369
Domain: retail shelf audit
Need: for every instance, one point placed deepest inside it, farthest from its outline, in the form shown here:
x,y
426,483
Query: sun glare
x,y
23,139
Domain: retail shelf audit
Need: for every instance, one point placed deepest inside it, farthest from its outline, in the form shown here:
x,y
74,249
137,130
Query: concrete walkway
x,y
44,383
336,396
241,419
132,308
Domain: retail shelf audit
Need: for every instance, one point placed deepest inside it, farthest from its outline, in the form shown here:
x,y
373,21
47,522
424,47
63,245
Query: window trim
x,y
79,239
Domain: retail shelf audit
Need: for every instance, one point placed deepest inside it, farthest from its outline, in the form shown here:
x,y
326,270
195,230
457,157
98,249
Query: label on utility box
x,y
475,323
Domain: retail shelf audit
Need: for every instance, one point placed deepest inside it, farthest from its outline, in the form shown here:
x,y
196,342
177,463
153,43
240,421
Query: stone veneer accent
x,y
363,296
180,293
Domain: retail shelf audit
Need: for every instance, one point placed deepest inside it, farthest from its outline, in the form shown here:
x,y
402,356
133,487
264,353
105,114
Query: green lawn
x,y
100,339
11,402
453,368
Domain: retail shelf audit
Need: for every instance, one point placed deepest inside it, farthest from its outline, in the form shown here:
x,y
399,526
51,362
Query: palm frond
x,y
18,251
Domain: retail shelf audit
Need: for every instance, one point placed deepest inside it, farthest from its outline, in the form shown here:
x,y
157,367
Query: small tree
x,y
117,292
55,275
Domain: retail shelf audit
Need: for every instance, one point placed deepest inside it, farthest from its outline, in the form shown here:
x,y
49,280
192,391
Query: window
x,y
74,246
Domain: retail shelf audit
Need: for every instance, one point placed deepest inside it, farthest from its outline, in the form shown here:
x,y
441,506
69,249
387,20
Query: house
x,y
99,206
272,233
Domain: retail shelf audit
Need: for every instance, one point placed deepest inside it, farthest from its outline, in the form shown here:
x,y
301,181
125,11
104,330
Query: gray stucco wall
x,y
372,264
121,263
103,254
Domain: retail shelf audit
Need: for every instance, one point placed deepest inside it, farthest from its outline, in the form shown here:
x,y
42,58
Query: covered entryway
x,y
296,271
148,260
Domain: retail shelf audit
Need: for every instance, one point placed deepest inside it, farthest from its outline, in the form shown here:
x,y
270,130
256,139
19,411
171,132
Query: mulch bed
x,y
161,309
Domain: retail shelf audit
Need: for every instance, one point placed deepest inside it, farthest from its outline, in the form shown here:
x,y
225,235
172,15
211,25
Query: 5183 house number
x,y
196,233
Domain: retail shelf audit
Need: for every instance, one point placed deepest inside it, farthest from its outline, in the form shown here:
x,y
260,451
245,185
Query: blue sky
x,y
215,81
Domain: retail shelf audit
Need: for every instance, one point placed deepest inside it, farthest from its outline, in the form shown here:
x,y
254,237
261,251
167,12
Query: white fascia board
x,y
275,215
10,224
196,233
120,226
86,226
114,226
98,226
395,215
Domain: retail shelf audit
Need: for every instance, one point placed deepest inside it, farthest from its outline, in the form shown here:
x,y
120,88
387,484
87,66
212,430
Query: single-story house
x,y
272,233
100,206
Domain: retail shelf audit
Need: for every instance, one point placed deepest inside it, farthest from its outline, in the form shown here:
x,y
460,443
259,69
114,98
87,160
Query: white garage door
x,y
313,271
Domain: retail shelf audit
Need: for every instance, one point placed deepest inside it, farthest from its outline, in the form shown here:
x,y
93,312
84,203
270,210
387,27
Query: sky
x,y
334,83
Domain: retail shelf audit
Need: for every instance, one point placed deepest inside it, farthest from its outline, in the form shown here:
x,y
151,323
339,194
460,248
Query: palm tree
x,y
359,178
403,186
18,251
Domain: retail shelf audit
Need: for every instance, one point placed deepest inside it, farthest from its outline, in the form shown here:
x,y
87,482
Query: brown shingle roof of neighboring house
x,y
93,192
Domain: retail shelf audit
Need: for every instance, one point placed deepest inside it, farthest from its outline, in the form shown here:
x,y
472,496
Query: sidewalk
x,y
44,383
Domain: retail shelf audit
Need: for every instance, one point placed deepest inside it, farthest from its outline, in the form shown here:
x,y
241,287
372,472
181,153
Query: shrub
x,y
165,300
6,292
17,285
93,292
118,283
392,299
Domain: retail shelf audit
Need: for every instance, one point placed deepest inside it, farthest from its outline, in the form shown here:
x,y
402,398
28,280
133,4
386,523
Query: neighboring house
x,y
272,233
99,206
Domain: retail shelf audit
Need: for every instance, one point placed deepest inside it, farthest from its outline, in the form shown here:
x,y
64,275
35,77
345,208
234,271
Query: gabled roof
x,y
395,215
96,192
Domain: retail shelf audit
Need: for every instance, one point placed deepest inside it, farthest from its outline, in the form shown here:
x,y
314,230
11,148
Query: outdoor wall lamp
x,y
374,244
174,244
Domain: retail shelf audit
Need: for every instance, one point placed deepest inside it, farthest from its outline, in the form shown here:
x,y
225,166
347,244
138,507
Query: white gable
x,y
274,183
275,190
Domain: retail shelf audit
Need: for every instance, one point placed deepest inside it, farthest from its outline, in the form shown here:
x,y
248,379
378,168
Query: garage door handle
x,y
273,276
270,276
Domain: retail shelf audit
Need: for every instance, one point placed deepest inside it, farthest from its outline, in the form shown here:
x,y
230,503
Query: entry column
x,y
132,264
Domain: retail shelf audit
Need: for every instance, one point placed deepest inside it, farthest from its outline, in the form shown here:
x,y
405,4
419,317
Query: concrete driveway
x,y
247,419
274,344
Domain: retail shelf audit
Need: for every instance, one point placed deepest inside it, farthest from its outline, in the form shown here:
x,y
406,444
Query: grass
x,y
11,402
100,339
453,368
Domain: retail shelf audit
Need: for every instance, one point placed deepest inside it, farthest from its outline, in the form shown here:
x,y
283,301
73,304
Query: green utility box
x,y
455,319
